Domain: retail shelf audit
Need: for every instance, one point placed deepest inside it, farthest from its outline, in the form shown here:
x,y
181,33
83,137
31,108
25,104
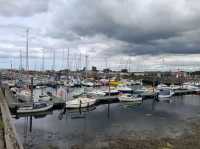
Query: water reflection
x,y
67,127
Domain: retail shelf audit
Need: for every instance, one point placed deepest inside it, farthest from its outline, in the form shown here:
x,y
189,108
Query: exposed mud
x,y
187,141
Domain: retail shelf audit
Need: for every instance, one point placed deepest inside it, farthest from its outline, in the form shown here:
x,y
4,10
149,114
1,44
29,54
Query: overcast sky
x,y
139,35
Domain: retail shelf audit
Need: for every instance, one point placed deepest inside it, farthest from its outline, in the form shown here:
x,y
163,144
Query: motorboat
x,y
134,82
35,108
165,94
112,92
69,84
96,93
162,86
87,83
141,91
44,97
124,89
115,83
24,95
80,102
130,98
191,87
175,87
14,90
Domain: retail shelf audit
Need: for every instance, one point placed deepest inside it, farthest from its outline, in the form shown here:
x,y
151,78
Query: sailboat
x,y
80,102
35,108
28,94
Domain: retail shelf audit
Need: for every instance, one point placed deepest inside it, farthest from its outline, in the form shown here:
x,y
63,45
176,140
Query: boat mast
x,y
11,66
80,61
20,56
43,60
53,65
20,66
27,50
86,65
67,75
63,59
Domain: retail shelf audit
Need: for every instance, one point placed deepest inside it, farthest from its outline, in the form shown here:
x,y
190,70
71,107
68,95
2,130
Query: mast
x,y
129,64
67,75
43,60
80,61
63,59
20,57
86,64
11,65
53,65
27,55
68,59
106,63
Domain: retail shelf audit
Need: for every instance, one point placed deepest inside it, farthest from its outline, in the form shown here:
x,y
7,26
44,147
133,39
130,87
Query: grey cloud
x,y
138,23
25,8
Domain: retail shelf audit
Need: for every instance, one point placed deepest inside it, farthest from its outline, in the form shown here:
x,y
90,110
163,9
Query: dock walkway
x,y
9,131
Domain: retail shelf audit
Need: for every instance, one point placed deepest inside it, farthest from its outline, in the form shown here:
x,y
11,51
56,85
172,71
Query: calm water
x,y
105,121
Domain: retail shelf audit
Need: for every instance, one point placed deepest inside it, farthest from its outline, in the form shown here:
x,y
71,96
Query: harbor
x,y
90,74
83,116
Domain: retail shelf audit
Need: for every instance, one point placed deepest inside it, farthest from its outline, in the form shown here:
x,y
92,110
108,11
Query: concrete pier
x,y
9,132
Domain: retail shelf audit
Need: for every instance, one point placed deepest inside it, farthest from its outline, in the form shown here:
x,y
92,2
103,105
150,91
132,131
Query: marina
x,y
66,117
80,74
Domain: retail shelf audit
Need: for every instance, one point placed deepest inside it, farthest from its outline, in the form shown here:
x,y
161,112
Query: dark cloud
x,y
138,23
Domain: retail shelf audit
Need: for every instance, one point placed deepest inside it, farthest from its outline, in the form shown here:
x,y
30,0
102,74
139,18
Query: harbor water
x,y
62,129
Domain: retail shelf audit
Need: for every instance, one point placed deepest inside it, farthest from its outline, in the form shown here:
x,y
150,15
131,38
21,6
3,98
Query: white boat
x,y
175,87
69,84
112,92
135,82
192,87
130,98
44,97
11,83
96,93
87,83
14,90
142,91
35,108
165,94
162,86
24,95
124,89
80,102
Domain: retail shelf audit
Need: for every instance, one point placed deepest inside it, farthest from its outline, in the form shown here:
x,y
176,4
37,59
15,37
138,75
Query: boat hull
x,y
31,110
77,104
